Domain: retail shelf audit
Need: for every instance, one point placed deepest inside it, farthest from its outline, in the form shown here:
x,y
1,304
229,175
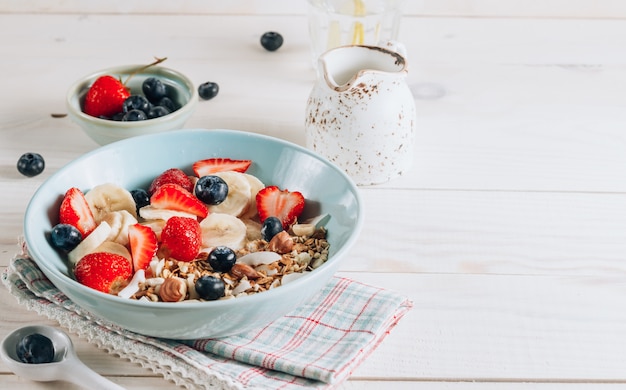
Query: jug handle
x,y
396,46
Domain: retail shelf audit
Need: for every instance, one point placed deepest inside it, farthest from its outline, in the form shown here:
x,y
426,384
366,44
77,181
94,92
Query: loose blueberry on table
x,y
271,41
31,164
208,90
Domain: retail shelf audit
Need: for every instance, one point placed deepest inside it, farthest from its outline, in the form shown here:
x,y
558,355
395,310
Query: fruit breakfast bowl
x,y
104,124
136,162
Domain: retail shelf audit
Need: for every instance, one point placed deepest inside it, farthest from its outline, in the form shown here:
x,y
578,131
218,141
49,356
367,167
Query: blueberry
x,y
35,348
118,117
209,287
222,259
65,237
157,112
211,189
30,164
271,227
168,103
271,41
153,89
141,198
134,115
136,102
208,90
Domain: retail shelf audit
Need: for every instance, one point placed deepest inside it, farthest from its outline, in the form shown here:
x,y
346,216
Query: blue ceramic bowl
x,y
105,131
134,162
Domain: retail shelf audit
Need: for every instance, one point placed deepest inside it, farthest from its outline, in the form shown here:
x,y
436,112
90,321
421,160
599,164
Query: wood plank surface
x,y
509,234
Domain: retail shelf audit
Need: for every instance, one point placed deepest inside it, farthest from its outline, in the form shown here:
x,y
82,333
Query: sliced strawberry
x,y
172,175
105,97
174,197
213,165
143,245
181,238
103,271
75,211
287,206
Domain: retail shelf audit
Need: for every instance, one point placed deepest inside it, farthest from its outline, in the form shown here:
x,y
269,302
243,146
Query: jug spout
x,y
342,67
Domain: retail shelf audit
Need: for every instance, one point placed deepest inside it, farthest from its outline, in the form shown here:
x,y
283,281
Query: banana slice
x,y
223,229
108,197
119,222
153,213
253,229
256,185
114,247
156,225
236,203
90,243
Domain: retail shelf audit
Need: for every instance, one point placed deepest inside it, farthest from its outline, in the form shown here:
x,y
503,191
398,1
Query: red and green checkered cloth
x,y
317,345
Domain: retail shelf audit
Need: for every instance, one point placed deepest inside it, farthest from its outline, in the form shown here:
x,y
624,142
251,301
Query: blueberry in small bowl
x,y
126,101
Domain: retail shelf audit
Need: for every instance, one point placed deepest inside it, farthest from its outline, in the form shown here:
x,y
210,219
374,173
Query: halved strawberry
x,y
213,165
75,211
103,271
174,197
143,245
287,206
105,97
172,175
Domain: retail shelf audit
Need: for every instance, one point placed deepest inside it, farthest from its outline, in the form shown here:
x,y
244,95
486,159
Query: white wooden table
x,y
510,232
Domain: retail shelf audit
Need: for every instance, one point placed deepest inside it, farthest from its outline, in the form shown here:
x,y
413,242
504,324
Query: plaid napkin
x,y
316,346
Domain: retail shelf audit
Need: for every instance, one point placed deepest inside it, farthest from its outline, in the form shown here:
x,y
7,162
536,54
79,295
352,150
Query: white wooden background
x,y
509,234
449,8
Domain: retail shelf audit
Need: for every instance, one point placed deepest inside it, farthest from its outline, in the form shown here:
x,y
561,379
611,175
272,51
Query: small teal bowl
x,y
105,131
134,162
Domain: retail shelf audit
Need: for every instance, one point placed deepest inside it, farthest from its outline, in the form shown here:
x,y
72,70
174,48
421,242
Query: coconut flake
x,y
243,285
156,266
267,270
258,258
133,286
319,221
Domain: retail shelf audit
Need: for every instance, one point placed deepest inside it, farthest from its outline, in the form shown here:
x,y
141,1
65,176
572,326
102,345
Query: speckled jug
x,y
361,114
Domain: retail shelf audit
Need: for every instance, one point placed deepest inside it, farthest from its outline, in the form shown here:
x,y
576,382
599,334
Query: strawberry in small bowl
x,y
126,101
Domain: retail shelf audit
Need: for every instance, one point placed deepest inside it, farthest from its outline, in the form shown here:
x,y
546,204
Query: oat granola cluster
x,y
174,281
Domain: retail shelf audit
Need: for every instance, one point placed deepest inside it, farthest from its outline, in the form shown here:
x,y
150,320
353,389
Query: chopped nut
x,y
173,289
240,270
281,243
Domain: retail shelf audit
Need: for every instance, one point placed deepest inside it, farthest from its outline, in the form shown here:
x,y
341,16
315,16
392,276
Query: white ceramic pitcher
x,y
361,114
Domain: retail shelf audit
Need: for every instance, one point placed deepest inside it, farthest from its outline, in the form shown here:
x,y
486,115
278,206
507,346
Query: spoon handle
x,y
84,376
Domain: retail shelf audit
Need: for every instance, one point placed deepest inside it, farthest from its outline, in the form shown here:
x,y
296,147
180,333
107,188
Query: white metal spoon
x,y
66,365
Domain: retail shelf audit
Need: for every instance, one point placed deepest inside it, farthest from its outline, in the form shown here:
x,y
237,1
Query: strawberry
x,y
105,97
174,197
287,206
172,175
181,238
213,165
143,245
103,271
75,211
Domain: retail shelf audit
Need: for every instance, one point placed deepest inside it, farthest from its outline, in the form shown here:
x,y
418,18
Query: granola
x,y
307,253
